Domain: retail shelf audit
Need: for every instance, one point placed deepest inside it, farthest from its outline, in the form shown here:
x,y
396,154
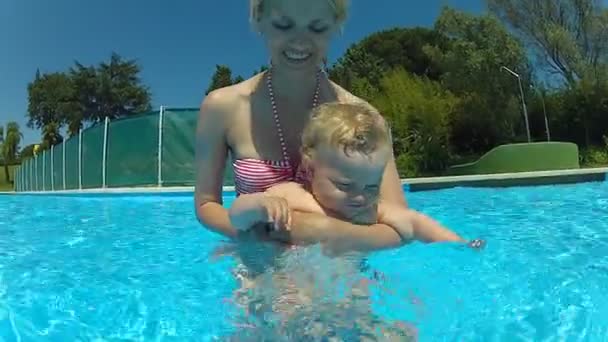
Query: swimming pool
x,y
138,268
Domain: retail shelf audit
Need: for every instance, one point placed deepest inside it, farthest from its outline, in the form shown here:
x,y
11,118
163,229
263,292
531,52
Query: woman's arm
x,y
391,189
210,158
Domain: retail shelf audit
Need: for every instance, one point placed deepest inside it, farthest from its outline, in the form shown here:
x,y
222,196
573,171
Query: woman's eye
x,y
282,26
318,29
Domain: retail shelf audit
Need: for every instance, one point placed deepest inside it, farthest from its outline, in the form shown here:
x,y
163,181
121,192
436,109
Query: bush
x,y
418,111
594,156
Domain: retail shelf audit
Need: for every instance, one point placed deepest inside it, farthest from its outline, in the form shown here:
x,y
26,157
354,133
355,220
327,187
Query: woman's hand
x,y
276,212
260,208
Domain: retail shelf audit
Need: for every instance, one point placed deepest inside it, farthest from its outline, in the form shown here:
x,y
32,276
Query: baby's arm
x,y
412,225
428,230
319,227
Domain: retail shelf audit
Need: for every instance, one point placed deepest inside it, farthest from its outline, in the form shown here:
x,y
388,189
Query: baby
x,y
345,149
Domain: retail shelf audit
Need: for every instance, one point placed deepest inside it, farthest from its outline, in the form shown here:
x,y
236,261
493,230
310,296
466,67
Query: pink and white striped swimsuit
x,y
254,175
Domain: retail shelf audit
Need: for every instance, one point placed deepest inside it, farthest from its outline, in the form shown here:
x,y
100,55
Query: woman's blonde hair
x,y
354,128
340,7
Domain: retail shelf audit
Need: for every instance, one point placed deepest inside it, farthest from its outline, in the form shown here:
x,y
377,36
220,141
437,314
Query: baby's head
x,y
345,148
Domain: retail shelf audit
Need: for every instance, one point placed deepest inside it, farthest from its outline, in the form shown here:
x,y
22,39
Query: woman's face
x,y
297,32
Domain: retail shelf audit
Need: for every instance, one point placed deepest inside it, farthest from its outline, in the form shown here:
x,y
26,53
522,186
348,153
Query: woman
x,y
259,120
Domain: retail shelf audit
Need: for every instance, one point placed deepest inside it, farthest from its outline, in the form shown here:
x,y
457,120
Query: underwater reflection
x,y
302,294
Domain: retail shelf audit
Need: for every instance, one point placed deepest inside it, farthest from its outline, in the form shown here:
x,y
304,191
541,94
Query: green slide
x,y
542,156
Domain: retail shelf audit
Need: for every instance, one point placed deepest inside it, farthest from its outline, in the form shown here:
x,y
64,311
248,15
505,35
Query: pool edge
x,y
534,178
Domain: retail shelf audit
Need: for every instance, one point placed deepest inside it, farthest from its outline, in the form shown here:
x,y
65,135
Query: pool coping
x,y
533,178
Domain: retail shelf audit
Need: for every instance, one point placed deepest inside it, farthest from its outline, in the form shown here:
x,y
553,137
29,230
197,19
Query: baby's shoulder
x,y
287,188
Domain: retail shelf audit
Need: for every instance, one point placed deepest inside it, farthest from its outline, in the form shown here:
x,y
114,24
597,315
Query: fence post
x,y
80,159
63,162
32,174
16,180
161,115
36,171
53,168
43,171
104,152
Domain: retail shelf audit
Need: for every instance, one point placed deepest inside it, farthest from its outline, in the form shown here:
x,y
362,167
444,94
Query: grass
x,y
4,186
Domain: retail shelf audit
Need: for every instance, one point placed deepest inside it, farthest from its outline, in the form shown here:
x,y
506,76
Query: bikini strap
x,y
275,111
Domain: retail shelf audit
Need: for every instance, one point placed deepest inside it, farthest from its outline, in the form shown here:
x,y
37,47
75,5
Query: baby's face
x,y
347,185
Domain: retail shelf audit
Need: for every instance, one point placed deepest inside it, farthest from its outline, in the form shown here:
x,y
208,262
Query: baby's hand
x,y
476,244
277,212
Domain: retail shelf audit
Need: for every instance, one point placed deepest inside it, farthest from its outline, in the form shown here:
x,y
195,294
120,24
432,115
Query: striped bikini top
x,y
254,175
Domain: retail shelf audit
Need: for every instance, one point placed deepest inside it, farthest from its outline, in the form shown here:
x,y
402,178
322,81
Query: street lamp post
x,y
523,101
542,98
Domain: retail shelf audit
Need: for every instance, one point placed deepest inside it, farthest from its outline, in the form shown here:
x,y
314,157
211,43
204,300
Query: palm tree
x,y
10,146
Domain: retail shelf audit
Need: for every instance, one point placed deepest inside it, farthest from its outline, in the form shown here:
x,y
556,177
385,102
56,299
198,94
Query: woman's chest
x,y
262,134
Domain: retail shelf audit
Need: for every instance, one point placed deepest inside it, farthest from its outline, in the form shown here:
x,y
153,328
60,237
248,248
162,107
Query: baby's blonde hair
x,y
340,7
354,128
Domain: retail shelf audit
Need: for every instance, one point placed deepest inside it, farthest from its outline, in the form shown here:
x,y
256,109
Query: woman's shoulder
x,y
345,96
232,95
227,101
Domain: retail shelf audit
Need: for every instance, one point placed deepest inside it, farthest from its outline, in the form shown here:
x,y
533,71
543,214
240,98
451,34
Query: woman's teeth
x,y
296,56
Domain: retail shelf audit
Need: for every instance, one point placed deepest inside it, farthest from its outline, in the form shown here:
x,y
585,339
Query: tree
x,y
51,135
357,63
87,94
85,80
260,70
2,144
119,91
222,77
388,49
10,146
489,113
27,151
50,96
418,110
569,36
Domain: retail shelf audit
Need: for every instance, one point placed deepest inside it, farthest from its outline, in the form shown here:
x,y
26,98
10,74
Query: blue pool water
x,y
139,268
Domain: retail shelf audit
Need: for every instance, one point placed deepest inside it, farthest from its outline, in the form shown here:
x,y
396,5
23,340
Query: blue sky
x,y
177,44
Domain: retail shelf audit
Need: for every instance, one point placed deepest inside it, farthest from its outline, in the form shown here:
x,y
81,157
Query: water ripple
x,y
131,268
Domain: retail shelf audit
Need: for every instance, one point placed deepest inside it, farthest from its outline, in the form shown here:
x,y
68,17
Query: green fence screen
x,y
132,157
48,170
134,149
39,173
179,127
71,163
92,155
57,167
